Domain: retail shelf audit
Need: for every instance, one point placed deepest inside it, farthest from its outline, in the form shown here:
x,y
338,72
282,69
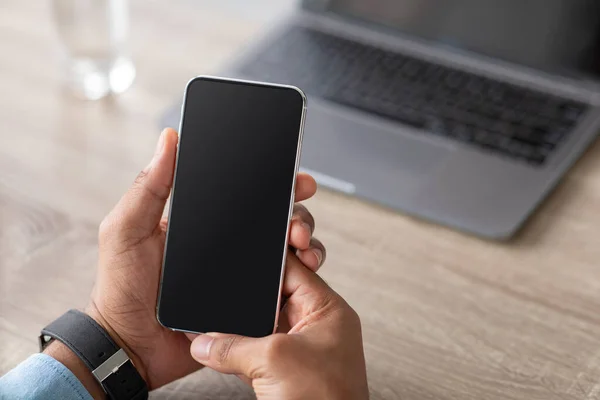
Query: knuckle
x,y
275,348
302,212
318,244
140,178
226,348
106,229
142,185
343,312
119,234
352,316
298,208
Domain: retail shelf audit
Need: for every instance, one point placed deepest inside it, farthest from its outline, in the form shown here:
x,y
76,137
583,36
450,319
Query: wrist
x,y
93,311
91,349
61,353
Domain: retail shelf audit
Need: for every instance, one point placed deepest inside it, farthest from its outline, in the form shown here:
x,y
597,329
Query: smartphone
x,y
231,205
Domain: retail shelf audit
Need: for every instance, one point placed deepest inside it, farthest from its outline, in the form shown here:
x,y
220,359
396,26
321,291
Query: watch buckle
x,y
111,365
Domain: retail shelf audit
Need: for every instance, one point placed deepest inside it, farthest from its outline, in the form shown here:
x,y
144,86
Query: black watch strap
x,y
109,364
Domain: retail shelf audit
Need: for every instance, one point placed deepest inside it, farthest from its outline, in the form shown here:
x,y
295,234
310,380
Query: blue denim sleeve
x,y
41,377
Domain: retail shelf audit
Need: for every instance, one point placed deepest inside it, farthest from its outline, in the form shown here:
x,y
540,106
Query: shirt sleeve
x,y
41,377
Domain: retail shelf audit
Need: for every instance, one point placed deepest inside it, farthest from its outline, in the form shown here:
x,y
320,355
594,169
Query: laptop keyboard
x,y
500,117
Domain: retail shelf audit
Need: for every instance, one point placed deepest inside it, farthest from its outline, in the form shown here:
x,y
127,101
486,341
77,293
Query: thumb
x,y
141,208
230,354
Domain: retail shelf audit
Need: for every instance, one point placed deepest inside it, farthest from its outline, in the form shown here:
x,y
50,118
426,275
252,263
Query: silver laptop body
x,y
425,168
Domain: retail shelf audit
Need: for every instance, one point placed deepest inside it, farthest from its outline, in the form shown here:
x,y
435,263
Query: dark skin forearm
x,y
65,356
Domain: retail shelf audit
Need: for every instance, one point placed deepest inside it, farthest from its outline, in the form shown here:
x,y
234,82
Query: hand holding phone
x,y
236,167
318,356
130,256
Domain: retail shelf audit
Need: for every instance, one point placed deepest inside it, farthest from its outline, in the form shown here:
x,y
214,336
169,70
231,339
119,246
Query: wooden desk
x,y
445,316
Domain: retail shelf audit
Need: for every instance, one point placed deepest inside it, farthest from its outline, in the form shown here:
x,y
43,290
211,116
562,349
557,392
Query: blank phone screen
x,y
231,199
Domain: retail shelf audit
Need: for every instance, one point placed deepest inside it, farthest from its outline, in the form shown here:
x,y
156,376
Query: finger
x,y
300,234
306,186
164,223
302,214
141,208
300,280
312,257
301,227
306,293
229,354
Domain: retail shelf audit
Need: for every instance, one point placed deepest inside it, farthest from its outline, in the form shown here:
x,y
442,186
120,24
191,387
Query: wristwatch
x,y
109,363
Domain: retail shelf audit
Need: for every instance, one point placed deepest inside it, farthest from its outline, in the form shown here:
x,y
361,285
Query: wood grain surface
x,y
445,315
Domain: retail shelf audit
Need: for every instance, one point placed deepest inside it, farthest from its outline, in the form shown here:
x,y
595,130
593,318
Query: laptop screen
x,y
561,36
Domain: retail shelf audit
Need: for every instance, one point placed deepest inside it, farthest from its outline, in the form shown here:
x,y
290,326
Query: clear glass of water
x,y
94,34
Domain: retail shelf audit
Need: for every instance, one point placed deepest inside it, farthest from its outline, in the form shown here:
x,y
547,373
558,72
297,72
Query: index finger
x,y
299,280
306,186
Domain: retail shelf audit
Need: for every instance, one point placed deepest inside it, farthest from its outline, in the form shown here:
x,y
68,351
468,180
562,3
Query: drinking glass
x,y
94,34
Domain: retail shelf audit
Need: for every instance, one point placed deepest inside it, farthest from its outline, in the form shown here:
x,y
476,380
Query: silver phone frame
x,y
292,195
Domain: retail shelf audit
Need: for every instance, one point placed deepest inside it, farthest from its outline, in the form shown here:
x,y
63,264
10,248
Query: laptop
x,y
462,112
